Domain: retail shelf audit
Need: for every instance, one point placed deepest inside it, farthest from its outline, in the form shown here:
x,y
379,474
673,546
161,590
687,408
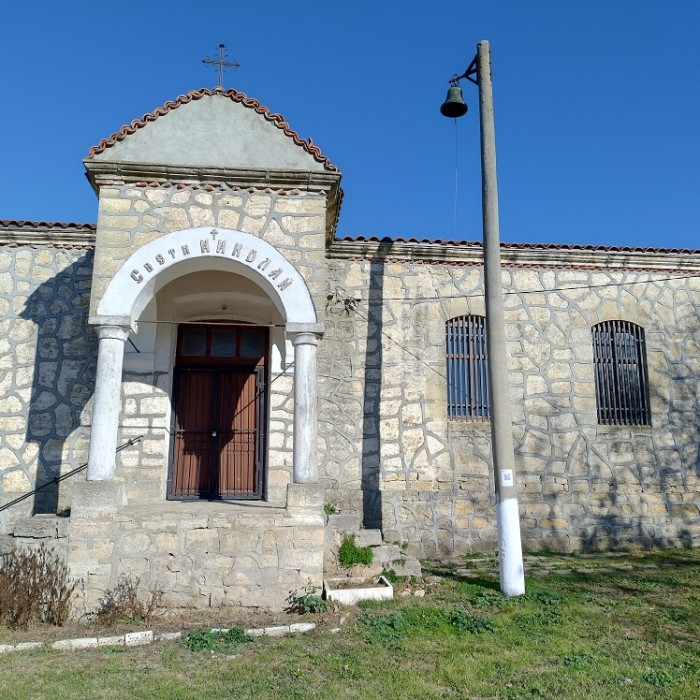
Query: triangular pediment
x,y
213,129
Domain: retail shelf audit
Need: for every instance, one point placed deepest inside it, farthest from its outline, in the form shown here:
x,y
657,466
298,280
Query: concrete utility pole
x,y
509,546
507,514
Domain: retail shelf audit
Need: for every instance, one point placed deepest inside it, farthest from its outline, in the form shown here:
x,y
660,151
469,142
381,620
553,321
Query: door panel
x,y
218,437
193,443
238,410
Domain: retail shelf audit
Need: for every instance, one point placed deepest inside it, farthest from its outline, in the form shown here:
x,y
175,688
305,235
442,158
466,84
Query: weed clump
x,y
122,604
216,640
350,554
308,601
34,587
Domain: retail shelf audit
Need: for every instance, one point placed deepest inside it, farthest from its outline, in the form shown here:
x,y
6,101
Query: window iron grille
x,y
621,386
467,369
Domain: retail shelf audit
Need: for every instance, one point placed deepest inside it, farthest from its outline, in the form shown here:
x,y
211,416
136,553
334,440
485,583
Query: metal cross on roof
x,y
221,62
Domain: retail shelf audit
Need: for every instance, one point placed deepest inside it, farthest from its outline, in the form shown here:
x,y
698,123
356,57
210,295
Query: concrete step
x,y
384,556
368,538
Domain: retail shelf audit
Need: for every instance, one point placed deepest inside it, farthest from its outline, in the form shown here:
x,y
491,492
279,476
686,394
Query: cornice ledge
x,y
100,172
471,254
53,237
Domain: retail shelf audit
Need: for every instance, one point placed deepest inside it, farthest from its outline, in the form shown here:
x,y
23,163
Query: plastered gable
x,y
213,131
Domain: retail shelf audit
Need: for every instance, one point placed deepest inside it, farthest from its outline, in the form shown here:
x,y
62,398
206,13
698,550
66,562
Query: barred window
x,y
619,356
467,376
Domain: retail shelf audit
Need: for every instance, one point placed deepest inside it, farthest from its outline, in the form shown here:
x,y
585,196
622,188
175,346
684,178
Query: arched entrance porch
x,y
165,271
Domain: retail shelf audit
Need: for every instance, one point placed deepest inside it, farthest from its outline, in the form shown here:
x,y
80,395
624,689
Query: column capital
x,y
113,333
124,322
305,339
317,328
305,333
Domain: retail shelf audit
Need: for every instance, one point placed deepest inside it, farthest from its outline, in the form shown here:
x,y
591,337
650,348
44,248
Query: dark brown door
x,y
219,441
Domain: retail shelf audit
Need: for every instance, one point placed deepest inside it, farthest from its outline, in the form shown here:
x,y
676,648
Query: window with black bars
x,y
467,369
619,356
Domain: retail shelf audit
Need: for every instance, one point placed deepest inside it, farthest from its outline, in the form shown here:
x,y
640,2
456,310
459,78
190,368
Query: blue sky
x,y
596,105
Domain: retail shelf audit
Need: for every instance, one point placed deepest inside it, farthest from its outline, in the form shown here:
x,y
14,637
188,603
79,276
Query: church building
x,y
197,387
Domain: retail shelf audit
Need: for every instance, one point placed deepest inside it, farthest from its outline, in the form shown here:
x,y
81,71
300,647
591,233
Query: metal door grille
x,y
467,369
619,356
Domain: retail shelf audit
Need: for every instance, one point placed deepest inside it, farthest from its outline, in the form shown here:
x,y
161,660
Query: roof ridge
x,y
277,119
521,246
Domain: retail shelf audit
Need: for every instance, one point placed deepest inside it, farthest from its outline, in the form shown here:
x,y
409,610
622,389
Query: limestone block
x,y
16,482
135,639
228,218
202,541
310,204
114,205
201,216
258,205
37,527
230,200
255,226
94,498
112,641
174,218
305,496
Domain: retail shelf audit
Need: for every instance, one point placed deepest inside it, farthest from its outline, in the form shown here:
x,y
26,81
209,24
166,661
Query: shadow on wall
x,y
371,435
64,376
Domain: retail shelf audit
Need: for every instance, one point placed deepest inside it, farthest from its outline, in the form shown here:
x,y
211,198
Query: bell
x,y
454,106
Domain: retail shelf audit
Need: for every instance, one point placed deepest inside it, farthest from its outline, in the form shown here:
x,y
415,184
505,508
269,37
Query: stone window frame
x,y
466,360
620,371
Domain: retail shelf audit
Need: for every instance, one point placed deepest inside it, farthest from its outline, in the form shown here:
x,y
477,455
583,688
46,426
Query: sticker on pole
x,y
506,477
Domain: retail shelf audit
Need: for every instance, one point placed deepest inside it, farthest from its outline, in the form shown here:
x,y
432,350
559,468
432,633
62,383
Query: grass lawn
x,y
596,627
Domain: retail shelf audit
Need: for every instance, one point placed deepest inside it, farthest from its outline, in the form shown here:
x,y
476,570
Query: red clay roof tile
x,y
523,246
23,223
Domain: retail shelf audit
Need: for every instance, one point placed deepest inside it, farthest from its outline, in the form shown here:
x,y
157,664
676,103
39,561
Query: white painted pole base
x,y
509,547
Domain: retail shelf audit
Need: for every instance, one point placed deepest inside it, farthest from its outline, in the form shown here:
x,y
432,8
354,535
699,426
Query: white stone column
x,y
305,339
107,403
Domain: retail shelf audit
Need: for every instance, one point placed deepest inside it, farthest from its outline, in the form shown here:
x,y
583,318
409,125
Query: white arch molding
x,y
179,253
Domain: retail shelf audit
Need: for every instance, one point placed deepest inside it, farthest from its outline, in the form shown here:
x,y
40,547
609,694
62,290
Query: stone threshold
x,y
137,639
199,507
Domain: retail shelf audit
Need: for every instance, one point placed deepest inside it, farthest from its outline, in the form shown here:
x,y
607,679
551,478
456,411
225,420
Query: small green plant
x,y
541,618
34,587
462,621
309,601
216,640
388,630
122,604
350,554
661,677
330,509
390,575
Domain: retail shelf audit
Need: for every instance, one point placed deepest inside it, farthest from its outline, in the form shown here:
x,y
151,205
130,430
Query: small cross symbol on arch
x,y
221,63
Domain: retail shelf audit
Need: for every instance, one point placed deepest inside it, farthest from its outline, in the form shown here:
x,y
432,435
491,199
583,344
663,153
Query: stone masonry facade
x,y
386,446
427,479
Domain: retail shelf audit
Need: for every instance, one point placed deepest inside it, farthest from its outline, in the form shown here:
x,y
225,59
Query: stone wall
x,y
386,446
47,366
199,554
426,479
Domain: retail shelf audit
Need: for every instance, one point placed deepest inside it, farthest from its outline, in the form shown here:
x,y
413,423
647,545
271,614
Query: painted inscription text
x,y
216,247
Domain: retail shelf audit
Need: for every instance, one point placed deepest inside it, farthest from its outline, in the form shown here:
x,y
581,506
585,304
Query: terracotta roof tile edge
x,y
521,246
277,119
23,223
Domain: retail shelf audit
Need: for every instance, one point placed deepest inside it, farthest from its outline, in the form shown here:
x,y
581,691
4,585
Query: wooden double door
x,y
219,399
